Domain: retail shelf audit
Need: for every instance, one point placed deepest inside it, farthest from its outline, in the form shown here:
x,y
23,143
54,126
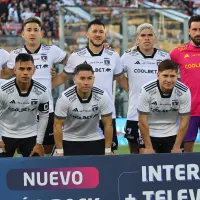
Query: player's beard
x,y
196,42
96,45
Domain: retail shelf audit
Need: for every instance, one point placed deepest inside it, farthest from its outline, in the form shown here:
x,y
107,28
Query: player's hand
x,y
53,72
58,154
106,46
110,153
2,145
148,151
37,149
176,150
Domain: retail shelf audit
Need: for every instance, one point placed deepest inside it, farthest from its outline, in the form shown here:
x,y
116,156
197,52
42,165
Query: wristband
x,y
107,150
59,151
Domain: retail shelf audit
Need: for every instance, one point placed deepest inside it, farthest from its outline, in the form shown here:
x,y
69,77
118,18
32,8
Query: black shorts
x,y
115,140
49,137
72,148
24,144
162,144
131,131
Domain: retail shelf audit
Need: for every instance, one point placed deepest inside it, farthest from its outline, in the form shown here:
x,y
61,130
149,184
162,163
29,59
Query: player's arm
x,y
184,123
122,81
7,73
42,125
184,112
59,79
143,110
108,132
58,136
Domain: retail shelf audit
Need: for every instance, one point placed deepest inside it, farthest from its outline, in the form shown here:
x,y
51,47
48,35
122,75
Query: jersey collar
x,y
81,100
36,51
92,54
161,93
24,94
152,56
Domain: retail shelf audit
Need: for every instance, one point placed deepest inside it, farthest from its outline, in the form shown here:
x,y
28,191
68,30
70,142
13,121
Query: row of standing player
x,y
141,64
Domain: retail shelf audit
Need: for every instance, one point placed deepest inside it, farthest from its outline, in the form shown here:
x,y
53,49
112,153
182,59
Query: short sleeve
x,y
70,66
62,105
58,54
124,67
144,102
44,103
106,105
11,60
4,57
185,103
118,70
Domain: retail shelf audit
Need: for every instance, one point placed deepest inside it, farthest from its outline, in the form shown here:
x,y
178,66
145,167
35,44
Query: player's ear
x,y
158,74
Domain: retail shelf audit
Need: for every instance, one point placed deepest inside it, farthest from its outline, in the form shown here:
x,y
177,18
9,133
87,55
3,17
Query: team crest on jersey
x,y
174,105
107,61
95,108
34,101
44,57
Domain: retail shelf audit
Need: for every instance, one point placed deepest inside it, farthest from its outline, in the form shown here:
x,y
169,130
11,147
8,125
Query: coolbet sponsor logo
x,y
53,178
41,66
194,65
145,71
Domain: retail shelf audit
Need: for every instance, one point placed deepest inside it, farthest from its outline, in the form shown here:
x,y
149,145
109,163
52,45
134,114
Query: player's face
x,y
84,81
194,32
32,34
167,80
96,35
146,39
24,71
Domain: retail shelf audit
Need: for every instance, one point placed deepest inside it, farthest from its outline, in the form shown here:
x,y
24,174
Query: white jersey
x,y
82,117
44,58
140,69
164,110
106,64
4,56
18,111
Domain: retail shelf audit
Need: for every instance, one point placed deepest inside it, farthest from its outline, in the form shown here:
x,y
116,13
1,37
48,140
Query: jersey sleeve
x,y
44,116
124,67
185,103
174,55
11,60
106,105
58,54
2,104
4,56
61,110
144,102
70,66
118,67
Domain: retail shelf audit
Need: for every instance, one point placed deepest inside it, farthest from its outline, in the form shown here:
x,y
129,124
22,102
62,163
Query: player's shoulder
x,y
181,47
69,92
162,53
133,51
181,87
97,91
46,47
110,52
7,86
151,85
80,51
39,86
17,50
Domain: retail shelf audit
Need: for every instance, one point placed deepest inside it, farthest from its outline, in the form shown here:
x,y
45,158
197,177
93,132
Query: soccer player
x,y
45,56
105,63
162,103
141,65
20,100
187,57
77,115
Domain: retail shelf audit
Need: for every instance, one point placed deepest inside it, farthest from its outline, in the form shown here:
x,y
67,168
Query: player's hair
x,y
23,57
195,18
96,22
36,20
167,65
83,67
145,26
